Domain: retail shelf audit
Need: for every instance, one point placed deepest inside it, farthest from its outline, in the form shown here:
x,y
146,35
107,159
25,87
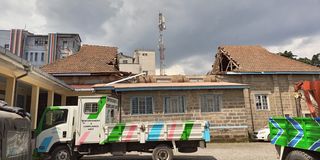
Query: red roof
x,y
90,59
257,59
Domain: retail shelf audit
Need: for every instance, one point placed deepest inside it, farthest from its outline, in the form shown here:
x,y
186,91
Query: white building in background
x,y
142,61
40,49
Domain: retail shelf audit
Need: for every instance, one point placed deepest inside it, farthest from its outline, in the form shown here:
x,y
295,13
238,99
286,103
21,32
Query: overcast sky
x,y
195,28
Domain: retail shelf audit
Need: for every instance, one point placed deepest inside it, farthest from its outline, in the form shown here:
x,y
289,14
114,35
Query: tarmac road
x,y
214,151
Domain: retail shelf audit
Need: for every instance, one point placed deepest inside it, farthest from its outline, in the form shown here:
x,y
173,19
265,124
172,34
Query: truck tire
x,y
162,152
61,153
299,155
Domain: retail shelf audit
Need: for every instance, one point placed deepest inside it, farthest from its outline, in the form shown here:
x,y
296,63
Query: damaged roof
x,y
255,59
89,59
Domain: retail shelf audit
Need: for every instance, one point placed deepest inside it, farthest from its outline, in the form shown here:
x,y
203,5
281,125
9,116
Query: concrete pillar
x,y
34,105
63,100
277,96
50,98
10,84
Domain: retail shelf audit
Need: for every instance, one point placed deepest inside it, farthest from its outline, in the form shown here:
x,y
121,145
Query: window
x,y
125,61
261,101
210,103
64,44
36,56
55,117
174,104
26,56
90,108
141,105
144,54
146,72
42,56
6,46
31,56
39,42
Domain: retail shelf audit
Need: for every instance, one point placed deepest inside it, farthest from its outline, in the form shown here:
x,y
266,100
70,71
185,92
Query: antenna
x,y
162,27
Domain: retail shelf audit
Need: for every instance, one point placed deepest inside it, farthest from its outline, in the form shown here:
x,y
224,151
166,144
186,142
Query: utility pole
x,y
162,27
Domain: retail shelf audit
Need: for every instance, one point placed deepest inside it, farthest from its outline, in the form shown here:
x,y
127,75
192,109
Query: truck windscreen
x,y
55,117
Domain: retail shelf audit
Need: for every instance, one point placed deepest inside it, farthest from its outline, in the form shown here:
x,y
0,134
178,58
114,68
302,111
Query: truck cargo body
x,y
295,137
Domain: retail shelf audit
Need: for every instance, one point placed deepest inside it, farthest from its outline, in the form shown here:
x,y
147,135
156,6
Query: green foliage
x,y
314,61
288,54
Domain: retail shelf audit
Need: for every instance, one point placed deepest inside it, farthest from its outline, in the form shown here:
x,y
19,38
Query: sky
x,y
195,28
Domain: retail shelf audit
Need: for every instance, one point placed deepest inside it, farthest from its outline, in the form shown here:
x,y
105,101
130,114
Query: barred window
x,y
174,104
90,108
141,105
210,103
262,101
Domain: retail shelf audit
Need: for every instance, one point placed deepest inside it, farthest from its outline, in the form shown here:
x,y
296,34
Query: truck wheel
x,y
162,152
61,153
299,155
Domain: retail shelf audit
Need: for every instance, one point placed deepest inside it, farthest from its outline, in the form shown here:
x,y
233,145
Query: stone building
x,y
142,61
271,79
269,91
221,103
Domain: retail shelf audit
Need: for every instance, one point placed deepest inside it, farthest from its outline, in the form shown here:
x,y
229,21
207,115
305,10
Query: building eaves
x,y
170,86
21,63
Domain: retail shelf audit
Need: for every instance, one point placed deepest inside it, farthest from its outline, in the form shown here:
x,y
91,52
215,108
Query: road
x,y
214,151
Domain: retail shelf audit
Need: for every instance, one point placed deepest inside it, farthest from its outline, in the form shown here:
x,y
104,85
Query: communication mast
x,y
162,27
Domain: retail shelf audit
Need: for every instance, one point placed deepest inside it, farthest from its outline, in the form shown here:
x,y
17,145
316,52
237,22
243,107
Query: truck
x,y
94,127
298,138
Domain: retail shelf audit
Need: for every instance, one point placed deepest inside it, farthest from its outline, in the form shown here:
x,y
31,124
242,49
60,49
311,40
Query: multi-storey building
x,y
40,49
142,61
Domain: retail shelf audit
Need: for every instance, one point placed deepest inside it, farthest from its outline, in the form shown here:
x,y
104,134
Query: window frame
x,y
26,56
42,56
178,96
31,57
145,97
261,101
35,56
64,44
220,98
84,108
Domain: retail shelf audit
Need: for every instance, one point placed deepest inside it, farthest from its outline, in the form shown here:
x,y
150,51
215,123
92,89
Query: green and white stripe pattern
x,y
156,131
302,133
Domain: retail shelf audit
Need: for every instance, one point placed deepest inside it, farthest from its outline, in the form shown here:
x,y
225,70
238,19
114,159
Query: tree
x,y
305,60
288,54
316,60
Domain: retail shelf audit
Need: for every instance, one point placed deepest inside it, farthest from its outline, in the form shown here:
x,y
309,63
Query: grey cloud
x,y
83,16
194,27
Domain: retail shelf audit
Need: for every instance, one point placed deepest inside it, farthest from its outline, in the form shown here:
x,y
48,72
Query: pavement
x,y
214,151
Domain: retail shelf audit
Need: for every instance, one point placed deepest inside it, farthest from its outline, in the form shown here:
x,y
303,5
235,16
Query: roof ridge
x,y
95,45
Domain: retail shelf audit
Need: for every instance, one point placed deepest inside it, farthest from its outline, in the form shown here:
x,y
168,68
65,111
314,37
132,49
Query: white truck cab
x,y
92,127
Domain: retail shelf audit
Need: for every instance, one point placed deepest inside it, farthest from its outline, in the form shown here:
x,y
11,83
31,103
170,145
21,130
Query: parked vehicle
x,y
15,133
298,138
262,134
92,127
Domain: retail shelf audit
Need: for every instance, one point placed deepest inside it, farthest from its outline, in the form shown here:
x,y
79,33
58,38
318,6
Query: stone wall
x,y
230,124
280,91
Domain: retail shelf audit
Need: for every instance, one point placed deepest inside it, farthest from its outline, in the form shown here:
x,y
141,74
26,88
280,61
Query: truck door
x,y
92,119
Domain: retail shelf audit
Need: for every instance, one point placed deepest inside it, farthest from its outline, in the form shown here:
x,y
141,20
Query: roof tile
x,y
258,59
90,59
